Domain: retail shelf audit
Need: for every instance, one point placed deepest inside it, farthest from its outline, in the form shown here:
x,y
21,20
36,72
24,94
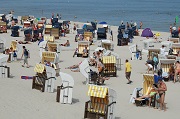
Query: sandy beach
x,y
19,101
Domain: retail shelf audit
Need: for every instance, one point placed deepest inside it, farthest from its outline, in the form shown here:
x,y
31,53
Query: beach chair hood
x,y
84,68
67,78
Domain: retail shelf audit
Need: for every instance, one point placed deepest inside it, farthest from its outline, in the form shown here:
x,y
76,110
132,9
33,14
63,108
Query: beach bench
x,y
152,51
107,44
4,69
3,27
110,66
176,48
48,28
55,33
101,104
44,79
64,92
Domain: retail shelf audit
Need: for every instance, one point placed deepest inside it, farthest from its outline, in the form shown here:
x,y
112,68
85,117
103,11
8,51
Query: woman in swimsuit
x,y
161,90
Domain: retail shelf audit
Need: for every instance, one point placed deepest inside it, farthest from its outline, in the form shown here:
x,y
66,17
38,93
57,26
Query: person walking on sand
x,y
26,56
128,71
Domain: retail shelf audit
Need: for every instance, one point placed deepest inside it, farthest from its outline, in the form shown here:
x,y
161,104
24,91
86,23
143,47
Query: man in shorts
x,y
128,71
26,56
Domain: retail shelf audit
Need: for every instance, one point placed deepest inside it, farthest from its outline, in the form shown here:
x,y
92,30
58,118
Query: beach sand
x,y
19,101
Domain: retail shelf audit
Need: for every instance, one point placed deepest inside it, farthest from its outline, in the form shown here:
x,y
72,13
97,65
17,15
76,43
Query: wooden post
x,y
58,94
33,82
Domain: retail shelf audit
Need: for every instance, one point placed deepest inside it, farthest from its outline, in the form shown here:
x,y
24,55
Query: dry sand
x,y
19,101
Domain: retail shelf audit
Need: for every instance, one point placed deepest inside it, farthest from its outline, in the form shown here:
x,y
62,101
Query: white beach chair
x,y
42,47
133,50
84,69
148,43
64,92
4,70
49,83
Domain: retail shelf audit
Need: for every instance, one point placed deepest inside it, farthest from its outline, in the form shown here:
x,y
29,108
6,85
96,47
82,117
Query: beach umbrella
x,y
102,22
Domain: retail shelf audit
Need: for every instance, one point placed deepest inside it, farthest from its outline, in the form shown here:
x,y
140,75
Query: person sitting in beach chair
x,y
67,44
85,52
150,94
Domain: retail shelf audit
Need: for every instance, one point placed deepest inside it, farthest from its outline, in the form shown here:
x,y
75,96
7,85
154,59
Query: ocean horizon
x,y
155,14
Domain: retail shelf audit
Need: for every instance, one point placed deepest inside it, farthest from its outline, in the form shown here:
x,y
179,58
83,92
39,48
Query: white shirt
x,y
162,51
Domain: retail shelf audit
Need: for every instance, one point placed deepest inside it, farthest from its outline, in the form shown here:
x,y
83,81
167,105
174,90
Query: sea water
x,y
155,14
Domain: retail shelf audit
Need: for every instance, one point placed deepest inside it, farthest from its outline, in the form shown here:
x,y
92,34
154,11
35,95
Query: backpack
x,y
26,52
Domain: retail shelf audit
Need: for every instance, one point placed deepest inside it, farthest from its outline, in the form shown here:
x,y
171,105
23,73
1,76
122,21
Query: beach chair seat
x,y
110,66
4,69
64,92
101,103
44,79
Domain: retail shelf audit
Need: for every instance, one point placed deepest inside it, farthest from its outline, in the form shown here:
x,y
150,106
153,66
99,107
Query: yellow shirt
x,y
128,67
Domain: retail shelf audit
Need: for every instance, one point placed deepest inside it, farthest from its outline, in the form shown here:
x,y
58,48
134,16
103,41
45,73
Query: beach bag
x,y
26,53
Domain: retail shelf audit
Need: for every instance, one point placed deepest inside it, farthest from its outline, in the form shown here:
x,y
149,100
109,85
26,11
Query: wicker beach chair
x,y
26,24
81,46
55,33
101,103
3,27
48,28
50,57
40,24
110,66
148,81
165,64
176,48
49,38
107,45
88,36
44,79
151,51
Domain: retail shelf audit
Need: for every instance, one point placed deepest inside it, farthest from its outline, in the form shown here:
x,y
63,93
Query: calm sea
x,y
155,14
